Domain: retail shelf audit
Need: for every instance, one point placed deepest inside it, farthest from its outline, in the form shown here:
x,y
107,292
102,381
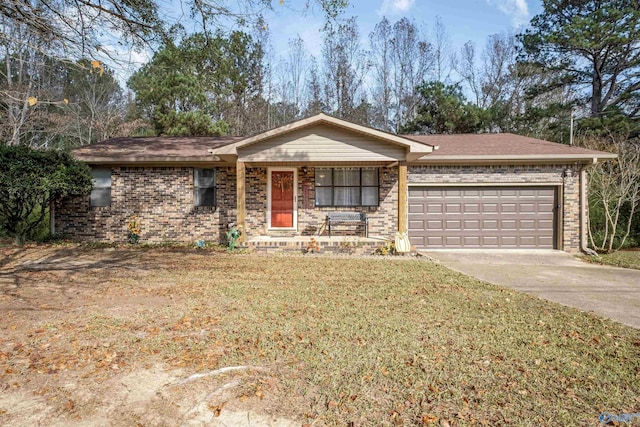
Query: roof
x,y
414,151
143,149
500,146
463,148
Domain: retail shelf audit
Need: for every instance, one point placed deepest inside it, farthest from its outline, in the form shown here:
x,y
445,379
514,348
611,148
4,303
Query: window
x,y
347,187
101,192
204,187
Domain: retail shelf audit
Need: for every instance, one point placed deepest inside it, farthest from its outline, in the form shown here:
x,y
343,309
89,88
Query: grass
x,y
347,340
626,259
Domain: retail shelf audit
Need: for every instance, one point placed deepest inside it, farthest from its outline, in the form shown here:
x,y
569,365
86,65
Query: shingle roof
x,y
450,148
495,144
156,148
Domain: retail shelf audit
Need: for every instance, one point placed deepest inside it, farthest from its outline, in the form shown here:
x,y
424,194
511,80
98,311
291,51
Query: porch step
x,y
321,245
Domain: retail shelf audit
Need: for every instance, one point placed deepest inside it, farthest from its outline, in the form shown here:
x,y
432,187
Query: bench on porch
x,y
341,218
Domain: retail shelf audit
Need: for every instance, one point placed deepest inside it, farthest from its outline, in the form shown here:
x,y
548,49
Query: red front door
x,y
282,185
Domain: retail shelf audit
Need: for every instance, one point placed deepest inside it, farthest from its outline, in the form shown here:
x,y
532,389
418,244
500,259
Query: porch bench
x,y
340,218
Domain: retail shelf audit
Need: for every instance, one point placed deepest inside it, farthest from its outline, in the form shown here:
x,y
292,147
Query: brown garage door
x,y
482,217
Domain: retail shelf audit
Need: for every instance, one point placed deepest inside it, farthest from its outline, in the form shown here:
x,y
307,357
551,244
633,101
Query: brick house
x,y
446,191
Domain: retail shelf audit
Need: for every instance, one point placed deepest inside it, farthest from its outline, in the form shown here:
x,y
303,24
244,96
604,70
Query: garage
x,y
489,217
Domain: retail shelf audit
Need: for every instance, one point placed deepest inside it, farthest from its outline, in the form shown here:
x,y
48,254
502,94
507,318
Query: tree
x,y
498,83
294,75
380,41
614,192
443,109
402,59
29,81
345,68
219,77
94,107
78,28
30,180
591,47
315,102
444,58
46,102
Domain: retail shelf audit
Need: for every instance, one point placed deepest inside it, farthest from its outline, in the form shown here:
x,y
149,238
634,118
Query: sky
x,y
464,20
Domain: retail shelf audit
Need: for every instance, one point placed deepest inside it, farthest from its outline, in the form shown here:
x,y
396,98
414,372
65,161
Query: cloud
x,y
516,9
395,7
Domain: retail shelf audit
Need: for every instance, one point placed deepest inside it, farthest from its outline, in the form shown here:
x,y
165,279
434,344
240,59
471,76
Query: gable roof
x,y
501,146
415,149
425,149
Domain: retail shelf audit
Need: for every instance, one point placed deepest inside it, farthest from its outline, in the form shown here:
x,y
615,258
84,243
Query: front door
x,y
282,198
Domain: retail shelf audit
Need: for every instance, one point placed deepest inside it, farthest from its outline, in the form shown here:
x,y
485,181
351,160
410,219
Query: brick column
x,y
241,199
403,190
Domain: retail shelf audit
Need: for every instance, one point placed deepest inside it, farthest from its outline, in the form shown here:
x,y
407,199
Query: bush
x,y
30,180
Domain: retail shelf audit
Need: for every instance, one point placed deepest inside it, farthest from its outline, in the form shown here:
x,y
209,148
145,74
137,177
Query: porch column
x,y
403,190
241,200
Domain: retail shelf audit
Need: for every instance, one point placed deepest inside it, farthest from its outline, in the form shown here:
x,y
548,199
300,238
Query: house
x,y
446,191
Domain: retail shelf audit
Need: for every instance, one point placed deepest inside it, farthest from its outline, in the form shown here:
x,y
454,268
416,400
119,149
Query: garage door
x,y
482,217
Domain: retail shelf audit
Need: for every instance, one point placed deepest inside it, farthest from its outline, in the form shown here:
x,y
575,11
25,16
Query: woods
x,y
63,84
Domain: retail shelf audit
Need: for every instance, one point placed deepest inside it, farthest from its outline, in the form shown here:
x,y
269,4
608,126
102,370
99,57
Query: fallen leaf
x,y
217,409
429,418
32,100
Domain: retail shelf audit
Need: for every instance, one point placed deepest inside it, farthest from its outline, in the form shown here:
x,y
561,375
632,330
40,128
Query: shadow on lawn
x,y
65,270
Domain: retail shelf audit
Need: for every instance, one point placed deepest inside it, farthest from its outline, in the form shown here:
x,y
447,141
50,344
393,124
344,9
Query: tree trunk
x,y
596,88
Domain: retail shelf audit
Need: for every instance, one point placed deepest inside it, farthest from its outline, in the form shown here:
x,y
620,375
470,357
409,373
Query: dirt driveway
x,y
555,276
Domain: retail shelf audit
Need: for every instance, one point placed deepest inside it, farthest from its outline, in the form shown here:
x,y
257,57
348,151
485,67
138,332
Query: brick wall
x,y
163,200
525,174
383,219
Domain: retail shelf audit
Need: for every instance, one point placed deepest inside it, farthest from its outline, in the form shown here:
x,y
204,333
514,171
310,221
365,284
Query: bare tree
x,y
79,27
380,42
345,68
614,190
493,80
289,81
315,102
402,59
297,69
443,55
413,59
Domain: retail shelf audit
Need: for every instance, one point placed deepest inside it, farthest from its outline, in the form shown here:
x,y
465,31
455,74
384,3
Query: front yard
x,y
624,258
114,336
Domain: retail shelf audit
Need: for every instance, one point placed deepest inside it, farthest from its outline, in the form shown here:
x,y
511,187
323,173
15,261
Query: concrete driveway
x,y
555,276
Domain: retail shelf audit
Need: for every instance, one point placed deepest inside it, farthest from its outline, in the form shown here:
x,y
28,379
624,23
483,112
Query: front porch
x,y
334,245
289,180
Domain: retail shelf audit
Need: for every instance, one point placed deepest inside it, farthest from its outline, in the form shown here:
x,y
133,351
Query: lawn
x,y
625,258
115,335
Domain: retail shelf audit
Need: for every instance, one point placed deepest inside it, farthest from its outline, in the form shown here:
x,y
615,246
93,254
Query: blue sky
x,y
464,19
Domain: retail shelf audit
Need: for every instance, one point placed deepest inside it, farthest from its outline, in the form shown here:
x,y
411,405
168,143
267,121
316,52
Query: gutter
x,y
450,158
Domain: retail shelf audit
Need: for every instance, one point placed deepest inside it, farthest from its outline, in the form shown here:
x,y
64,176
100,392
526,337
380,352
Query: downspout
x,y
583,208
